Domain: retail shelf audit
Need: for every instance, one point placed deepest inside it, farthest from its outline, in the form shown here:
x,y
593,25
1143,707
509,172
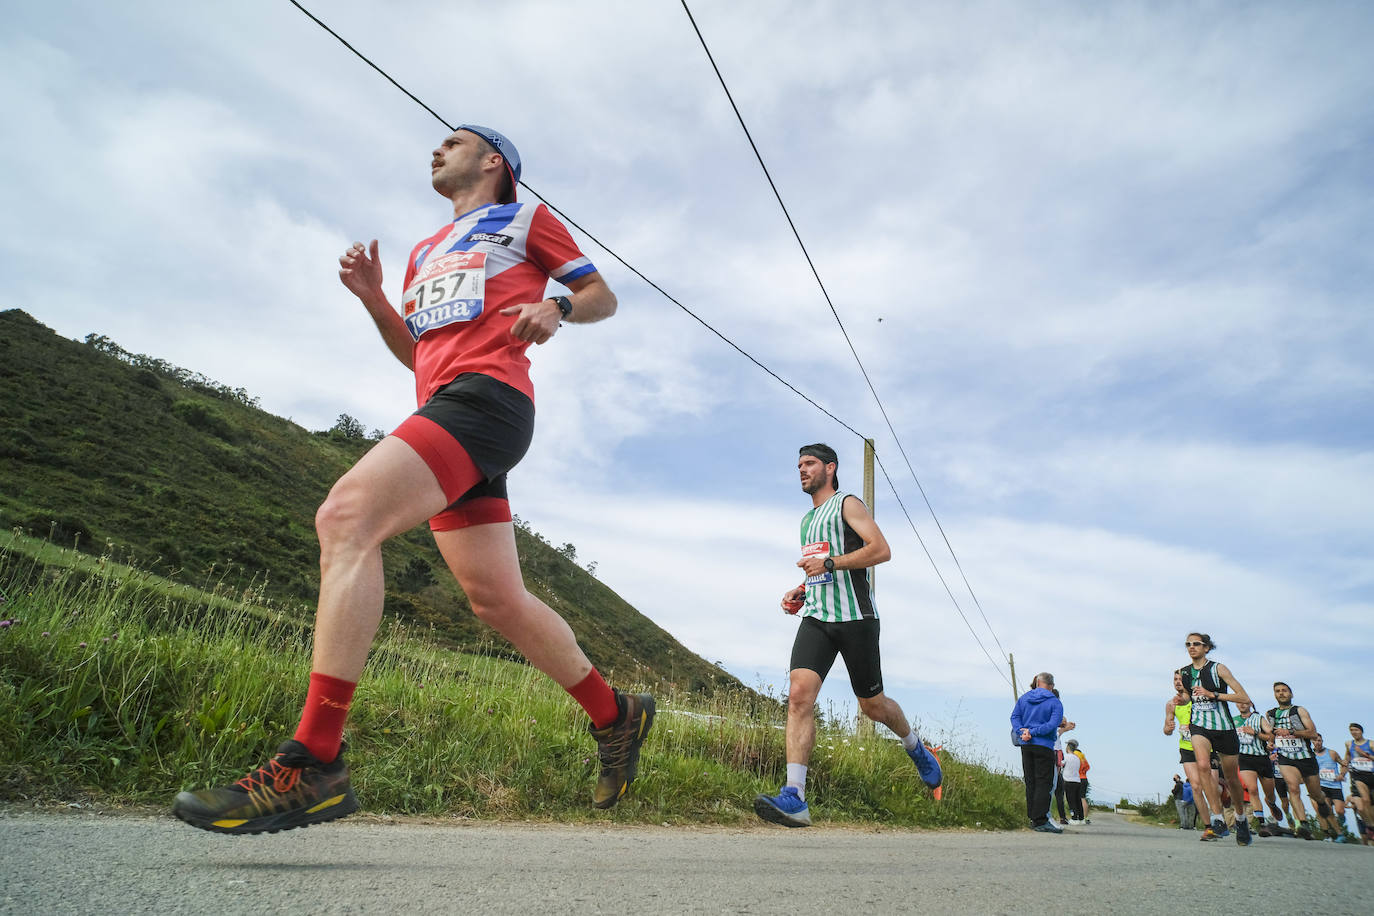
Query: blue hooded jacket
x,y
1040,711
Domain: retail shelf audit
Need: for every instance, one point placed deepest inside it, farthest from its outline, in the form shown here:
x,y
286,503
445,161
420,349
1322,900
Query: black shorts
x,y
1359,776
1333,794
1256,763
818,643
474,420
1223,740
1186,755
1281,787
1307,766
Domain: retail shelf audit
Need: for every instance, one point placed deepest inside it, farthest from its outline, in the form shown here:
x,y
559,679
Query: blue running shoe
x,y
927,765
786,808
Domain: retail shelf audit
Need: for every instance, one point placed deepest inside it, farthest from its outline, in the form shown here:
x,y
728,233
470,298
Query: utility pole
x,y
1011,660
868,500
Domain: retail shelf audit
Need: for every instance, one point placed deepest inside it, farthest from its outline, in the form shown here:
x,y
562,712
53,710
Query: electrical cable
x,y
833,311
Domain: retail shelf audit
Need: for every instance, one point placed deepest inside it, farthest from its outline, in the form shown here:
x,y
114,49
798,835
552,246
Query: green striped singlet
x,y
845,594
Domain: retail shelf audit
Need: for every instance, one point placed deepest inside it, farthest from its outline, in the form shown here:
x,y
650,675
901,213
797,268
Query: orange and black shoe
x,y
618,747
293,789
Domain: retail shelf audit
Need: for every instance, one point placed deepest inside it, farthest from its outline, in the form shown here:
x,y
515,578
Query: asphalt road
x,y
92,863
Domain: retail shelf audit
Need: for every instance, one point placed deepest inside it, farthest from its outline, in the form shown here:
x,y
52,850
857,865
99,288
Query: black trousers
x,y
1074,790
1037,767
1059,796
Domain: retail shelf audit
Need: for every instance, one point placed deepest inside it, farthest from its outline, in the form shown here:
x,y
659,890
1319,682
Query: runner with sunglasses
x,y
1212,686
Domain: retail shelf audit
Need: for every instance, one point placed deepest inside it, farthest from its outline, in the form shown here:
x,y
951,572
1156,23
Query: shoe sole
x,y
774,815
330,809
646,722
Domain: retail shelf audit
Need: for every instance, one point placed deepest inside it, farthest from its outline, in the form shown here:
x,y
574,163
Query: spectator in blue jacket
x,y
1035,723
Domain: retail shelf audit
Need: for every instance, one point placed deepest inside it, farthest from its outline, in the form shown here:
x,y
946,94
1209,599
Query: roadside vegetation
x,y
121,686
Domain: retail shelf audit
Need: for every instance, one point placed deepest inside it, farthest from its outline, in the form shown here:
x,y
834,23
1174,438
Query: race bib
x,y
818,549
1326,775
1363,764
1203,704
447,289
1185,732
1289,745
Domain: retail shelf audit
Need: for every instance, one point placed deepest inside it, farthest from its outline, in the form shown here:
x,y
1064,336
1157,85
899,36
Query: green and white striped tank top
x,y
1208,712
845,594
1290,747
1251,744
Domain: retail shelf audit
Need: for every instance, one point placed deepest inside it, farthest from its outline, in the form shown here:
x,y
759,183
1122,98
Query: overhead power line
x,y
693,315
833,311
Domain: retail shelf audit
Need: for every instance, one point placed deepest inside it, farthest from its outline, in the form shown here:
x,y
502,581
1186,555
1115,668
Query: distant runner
x,y
1252,731
474,300
1293,734
1331,773
1212,687
1360,759
1178,714
840,542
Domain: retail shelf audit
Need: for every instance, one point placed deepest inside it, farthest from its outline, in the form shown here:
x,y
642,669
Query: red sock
x,y
598,699
322,721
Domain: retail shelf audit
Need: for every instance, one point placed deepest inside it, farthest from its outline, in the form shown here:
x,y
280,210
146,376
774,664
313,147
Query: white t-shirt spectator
x,y
1071,765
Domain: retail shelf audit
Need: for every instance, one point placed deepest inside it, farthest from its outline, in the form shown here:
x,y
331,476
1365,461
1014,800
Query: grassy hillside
x,y
120,453
119,686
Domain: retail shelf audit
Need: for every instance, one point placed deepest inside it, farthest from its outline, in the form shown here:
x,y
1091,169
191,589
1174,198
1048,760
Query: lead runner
x,y
474,302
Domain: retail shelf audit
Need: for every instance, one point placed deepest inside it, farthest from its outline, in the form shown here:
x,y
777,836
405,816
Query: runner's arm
x,y
1238,692
1309,729
874,550
592,299
360,271
1169,716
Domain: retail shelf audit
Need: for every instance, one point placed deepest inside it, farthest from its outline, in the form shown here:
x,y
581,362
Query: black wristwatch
x,y
829,564
564,306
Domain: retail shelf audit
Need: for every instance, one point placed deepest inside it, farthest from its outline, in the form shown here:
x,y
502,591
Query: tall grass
x,y
118,685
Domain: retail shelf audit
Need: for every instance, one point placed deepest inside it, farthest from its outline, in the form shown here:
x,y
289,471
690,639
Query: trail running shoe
x,y
927,764
1303,833
618,747
293,789
786,808
1048,827
1208,834
1243,837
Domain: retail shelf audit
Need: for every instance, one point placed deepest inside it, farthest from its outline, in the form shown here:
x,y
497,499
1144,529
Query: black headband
x,y
822,451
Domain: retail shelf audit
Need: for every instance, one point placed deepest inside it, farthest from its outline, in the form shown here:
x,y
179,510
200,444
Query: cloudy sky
x,y
1107,265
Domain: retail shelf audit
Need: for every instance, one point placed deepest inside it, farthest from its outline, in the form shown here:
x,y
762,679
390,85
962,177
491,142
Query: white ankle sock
x,y
911,741
796,777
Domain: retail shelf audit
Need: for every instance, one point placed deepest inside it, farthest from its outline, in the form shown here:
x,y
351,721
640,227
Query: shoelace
x,y
280,778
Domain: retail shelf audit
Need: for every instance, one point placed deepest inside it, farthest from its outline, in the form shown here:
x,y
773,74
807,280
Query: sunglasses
x,y
1189,645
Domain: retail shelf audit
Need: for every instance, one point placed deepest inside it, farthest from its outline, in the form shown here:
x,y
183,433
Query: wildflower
x,y
4,624
104,639
81,645
45,634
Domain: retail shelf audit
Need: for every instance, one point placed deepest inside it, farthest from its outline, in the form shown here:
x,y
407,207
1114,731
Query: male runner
x,y
1359,757
1252,731
474,301
1293,734
1212,729
840,542
1178,712
1331,772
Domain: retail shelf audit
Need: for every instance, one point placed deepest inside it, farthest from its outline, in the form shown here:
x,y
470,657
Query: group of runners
x,y
1237,756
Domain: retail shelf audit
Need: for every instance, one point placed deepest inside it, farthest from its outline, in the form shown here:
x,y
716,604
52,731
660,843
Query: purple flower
x,y
45,634
4,624
107,639
81,645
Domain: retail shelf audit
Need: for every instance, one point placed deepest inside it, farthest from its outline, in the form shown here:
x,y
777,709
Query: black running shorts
x,y
1333,794
1224,741
1361,777
1307,766
818,643
1256,763
1186,755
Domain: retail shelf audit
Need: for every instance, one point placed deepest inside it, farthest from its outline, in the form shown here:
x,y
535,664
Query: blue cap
x,y
501,143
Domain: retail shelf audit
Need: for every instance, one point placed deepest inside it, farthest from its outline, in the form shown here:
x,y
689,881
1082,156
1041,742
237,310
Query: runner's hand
x,y
812,566
536,322
794,600
361,271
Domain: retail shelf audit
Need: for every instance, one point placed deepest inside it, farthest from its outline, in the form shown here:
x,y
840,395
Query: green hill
x,y
122,453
